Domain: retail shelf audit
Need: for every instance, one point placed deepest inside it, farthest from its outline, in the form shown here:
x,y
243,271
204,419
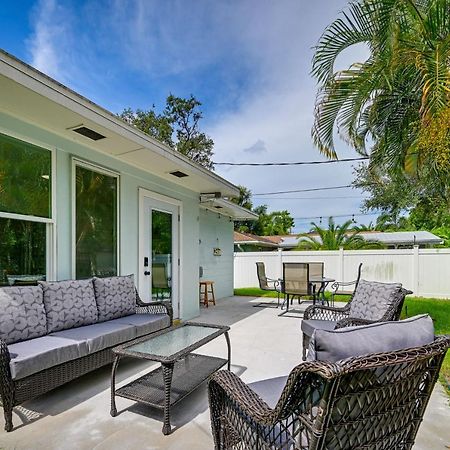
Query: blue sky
x,y
247,61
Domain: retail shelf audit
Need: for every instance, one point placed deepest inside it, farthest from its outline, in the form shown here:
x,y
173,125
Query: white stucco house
x,y
82,193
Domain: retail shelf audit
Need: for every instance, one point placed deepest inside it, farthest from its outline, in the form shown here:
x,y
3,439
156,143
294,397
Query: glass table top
x,y
174,341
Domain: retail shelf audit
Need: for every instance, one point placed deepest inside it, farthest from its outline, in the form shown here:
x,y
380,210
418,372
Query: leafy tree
x,y
184,116
177,126
245,198
278,223
334,237
150,122
399,97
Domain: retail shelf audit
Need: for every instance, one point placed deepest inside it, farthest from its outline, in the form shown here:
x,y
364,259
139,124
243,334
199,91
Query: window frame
x,y
77,162
50,250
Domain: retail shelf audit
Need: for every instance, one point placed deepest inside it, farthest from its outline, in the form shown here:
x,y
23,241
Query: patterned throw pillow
x,y
69,304
116,297
372,299
22,313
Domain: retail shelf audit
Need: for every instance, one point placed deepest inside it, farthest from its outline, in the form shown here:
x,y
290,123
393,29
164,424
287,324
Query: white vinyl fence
x,y
426,272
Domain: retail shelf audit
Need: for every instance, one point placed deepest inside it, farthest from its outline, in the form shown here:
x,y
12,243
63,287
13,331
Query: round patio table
x,y
324,282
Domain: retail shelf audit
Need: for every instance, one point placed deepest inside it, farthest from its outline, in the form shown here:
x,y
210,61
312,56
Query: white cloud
x,y
50,34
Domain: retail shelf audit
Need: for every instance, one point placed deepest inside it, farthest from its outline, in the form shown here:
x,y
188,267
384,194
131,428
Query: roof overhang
x,y
32,96
228,208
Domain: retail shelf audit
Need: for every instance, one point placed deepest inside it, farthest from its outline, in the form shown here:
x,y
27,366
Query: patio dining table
x,y
324,282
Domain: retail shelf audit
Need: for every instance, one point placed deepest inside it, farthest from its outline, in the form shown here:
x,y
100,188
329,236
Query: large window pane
x,y
22,251
96,223
25,178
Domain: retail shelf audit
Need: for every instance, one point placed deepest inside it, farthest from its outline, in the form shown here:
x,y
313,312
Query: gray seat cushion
x,y
69,304
308,326
372,299
22,313
269,390
115,296
37,354
379,337
99,335
146,323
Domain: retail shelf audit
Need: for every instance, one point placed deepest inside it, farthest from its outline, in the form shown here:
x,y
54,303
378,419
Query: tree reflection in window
x,y
25,189
96,223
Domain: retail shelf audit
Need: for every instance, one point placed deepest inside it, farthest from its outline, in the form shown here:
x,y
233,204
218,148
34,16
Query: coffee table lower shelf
x,y
188,374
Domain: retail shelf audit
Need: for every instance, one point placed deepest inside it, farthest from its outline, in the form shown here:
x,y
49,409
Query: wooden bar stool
x,y
206,288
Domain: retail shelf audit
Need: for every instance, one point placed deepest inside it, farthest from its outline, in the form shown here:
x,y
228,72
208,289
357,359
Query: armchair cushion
x,y
380,337
372,299
115,296
22,313
309,326
69,304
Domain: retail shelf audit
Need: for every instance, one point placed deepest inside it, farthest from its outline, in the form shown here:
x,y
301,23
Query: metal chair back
x,y
262,279
296,279
159,276
316,270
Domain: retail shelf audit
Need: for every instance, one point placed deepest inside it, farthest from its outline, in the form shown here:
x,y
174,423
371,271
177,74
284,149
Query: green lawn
x,y
439,310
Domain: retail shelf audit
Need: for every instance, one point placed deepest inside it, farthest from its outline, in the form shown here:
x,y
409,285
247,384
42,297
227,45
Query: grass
x,y
439,311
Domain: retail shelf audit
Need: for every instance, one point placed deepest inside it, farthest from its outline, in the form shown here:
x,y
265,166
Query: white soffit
x,y
39,100
227,208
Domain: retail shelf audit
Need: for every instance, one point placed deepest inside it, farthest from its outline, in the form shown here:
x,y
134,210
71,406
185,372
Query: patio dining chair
x,y
371,302
160,280
267,284
295,284
370,400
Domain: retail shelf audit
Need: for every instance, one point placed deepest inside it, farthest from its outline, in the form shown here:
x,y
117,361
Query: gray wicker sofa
x,y
55,332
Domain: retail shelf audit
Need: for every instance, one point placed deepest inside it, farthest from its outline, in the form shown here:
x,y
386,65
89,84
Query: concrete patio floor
x,y
76,416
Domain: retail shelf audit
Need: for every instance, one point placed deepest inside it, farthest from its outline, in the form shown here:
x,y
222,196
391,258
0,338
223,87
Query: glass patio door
x,y
159,259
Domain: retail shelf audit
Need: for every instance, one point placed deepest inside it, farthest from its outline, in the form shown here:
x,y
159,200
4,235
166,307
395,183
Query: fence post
x,y
280,262
341,264
415,270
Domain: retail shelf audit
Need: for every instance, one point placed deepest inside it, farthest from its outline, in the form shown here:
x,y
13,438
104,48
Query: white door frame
x,y
176,265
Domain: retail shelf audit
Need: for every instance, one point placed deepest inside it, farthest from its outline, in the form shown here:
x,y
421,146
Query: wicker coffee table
x,y
181,371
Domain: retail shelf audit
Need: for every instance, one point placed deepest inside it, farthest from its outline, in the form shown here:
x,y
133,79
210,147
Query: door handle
x,y
147,272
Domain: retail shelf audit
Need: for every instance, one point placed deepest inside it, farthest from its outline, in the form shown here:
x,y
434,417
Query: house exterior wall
x,y
216,231
131,179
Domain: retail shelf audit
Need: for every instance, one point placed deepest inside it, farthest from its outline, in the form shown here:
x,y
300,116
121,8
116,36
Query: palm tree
x,y
399,96
334,237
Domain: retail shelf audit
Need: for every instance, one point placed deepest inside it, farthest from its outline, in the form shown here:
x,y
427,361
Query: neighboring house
x,y
246,242
394,239
83,193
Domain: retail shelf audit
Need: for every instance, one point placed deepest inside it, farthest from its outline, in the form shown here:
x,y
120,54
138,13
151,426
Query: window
x,y
96,221
25,211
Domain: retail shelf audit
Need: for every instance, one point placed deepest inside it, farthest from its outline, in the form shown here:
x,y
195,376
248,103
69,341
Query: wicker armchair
x,y
330,317
372,402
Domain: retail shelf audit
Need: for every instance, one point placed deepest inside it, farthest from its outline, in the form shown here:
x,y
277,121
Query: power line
x,y
300,163
310,198
336,215
305,190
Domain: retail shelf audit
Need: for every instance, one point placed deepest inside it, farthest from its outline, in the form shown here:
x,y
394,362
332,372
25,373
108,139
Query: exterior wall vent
x,y
178,174
87,132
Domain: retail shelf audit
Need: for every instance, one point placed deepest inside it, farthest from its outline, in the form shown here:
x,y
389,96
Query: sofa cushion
x,y
146,323
372,299
99,335
41,353
22,313
308,326
69,304
378,337
115,296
